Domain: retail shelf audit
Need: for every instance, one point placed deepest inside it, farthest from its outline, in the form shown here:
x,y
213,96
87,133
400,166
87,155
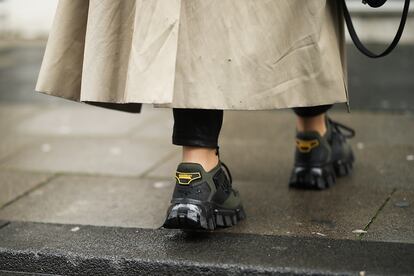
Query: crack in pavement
x,y
361,235
4,224
41,184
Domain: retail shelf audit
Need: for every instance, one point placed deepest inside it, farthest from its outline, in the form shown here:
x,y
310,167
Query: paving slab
x,y
387,166
264,146
379,128
381,84
13,143
16,184
81,120
109,156
274,163
3,223
395,222
19,72
10,116
275,125
159,128
273,209
166,169
132,202
255,129
110,201
58,249
279,126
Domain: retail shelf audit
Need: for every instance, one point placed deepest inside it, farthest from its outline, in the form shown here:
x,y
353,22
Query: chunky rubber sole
x,y
320,178
201,216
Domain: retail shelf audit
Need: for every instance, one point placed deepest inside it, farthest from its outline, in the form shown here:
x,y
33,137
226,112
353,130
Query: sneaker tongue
x,y
188,172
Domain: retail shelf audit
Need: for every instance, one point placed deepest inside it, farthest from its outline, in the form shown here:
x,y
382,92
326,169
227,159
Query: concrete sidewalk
x,y
76,165
60,165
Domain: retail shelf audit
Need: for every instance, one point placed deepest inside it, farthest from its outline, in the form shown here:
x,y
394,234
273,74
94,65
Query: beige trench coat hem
x,y
215,54
136,108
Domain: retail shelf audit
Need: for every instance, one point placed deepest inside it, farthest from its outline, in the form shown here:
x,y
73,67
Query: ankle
x,y
206,157
316,123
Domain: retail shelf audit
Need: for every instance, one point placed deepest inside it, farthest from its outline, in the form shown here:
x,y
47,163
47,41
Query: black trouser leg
x,y
197,127
311,111
201,127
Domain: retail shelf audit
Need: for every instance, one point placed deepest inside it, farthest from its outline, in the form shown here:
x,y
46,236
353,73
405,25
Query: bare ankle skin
x,y
205,156
316,123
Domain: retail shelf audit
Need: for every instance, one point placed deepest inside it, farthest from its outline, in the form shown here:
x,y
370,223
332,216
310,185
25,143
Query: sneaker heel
x,y
313,178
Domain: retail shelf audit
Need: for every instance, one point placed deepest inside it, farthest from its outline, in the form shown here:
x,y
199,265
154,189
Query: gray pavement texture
x,y
91,250
109,179
65,165
382,84
16,184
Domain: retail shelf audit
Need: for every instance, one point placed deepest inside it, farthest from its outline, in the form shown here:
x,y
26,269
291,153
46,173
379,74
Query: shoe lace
x,y
346,131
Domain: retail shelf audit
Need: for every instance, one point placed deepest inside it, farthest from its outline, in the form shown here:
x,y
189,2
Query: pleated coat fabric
x,y
210,54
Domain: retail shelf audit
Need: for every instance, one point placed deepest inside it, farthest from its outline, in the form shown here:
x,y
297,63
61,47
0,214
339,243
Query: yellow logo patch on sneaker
x,y
306,146
184,178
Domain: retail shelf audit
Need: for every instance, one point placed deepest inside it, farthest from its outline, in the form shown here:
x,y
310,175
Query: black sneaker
x,y
203,200
320,159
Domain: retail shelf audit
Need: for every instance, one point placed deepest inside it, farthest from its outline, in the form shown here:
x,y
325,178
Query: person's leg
x,y
203,197
198,130
322,152
312,118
